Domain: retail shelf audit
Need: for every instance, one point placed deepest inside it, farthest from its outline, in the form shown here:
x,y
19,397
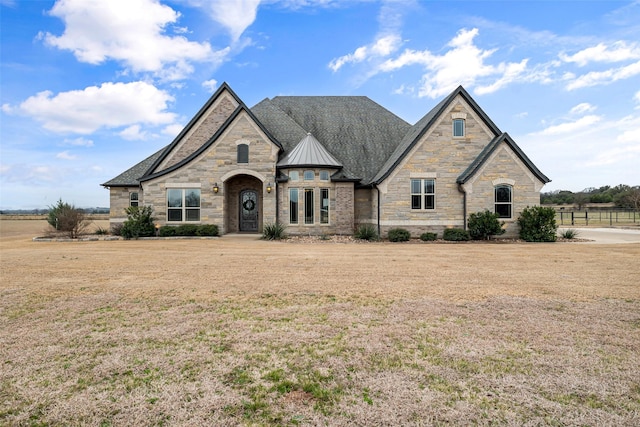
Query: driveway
x,y
606,235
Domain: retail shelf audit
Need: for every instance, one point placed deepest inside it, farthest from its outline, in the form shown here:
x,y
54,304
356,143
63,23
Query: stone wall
x,y
436,155
119,201
218,165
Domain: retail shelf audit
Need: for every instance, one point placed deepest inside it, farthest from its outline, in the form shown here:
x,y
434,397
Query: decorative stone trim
x,y
506,181
458,116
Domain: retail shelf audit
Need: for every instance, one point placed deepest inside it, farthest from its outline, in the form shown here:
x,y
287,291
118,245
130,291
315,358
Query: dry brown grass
x,y
242,332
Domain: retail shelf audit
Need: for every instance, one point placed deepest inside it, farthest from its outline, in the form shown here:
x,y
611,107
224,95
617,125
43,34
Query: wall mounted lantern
x,y
269,187
215,187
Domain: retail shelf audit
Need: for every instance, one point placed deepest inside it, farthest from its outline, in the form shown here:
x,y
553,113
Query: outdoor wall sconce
x,y
215,187
269,187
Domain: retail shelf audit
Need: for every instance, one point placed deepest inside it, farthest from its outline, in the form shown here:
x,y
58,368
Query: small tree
x,y
139,222
483,225
67,219
538,224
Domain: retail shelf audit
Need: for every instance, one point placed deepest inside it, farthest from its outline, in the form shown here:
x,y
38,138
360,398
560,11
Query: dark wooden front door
x,y
248,210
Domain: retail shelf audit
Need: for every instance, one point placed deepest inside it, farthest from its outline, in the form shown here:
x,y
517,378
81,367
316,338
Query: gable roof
x,y
309,152
357,131
149,174
489,149
424,124
130,177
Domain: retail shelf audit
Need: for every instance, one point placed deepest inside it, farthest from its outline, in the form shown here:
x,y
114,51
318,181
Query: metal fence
x,y
601,217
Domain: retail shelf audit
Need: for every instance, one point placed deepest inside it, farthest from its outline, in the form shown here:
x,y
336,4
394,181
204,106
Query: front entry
x,y
248,210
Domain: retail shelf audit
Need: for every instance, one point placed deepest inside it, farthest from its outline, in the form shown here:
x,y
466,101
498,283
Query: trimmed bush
x,y
428,237
139,222
456,235
273,231
483,225
366,232
167,231
186,230
207,230
398,235
538,224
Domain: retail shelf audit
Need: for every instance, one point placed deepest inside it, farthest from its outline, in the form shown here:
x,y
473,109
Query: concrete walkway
x,y
606,235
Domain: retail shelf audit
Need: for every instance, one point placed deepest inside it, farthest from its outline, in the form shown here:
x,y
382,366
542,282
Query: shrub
x,y
398,235
186,230
273,231
101,231
483,225
139,222
570,233
366,232
167,231
427,237
207,230
67,219
538,224
456,235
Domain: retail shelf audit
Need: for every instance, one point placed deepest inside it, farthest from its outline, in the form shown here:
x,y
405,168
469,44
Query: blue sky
x,y
91,87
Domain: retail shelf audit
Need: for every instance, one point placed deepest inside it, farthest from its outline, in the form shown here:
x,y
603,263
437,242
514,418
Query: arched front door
x,y
248,210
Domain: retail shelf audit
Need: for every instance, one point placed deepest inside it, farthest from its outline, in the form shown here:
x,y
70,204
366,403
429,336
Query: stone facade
x,y
208,158
441,156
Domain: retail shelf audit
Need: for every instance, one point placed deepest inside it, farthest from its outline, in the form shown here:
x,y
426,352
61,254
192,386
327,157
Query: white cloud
x,y
79,142
210,85
111,105
133,133
173,130
581,108
636,98
595,78
66,155
131,32
463,64
617,52
571,127
236,16
381,47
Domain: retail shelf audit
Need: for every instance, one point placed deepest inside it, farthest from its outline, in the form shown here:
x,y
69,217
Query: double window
x,y
503,200
423,193
183,204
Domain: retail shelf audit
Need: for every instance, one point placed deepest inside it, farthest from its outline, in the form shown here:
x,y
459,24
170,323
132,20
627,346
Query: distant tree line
x,y
622,196
45,211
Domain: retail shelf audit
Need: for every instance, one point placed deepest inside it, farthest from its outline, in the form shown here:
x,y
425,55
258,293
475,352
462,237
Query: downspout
x,y
464,205
275,186
378,216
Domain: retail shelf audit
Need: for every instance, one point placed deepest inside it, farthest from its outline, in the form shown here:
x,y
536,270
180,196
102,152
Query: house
x,y
326,164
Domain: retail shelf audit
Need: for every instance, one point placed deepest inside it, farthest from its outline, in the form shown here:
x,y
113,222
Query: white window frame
x,y
463,127
309,207
325,203
293,210
134,201
324,175
508,203
294,175
183,208
309,175
423,193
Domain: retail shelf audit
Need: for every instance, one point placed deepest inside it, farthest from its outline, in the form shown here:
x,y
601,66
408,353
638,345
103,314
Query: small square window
x,y
324,175
294,175
309,175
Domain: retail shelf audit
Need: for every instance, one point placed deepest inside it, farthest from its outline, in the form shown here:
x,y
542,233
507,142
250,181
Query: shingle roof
x,y
355,130
309,152
489,149
130,177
